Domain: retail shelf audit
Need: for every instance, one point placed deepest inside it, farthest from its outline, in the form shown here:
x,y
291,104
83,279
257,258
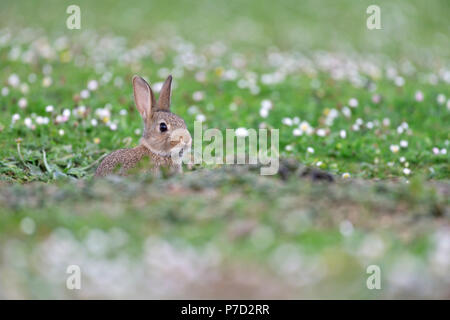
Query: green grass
x,y
219,231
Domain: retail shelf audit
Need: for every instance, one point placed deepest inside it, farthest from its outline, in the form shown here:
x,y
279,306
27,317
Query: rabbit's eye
x,y
162,127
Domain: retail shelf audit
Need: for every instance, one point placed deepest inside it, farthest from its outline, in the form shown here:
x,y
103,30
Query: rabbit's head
x,y
165,133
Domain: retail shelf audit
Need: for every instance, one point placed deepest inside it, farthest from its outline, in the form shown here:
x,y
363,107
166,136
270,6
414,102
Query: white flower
x,y
200,117
305,127
15,118
24,88
92,85
310,150
192,110
404,144
22,103
42,120
61,119
400,130
266,104
84,94
288,148
440,98
376,98
233,106
346,175
28,122
418,96
198,95
94,122
13,80
343,134
353,102
200,76
47,82
394,148
321,132
5,91
406,171
402,159
436,150
443,151
346,112
49,108
137,131
113,126
61,132
287,121
103,114
241,132
332,114
297,132
264,113
386,122
399,81
80,111
123,112
369,125
66,113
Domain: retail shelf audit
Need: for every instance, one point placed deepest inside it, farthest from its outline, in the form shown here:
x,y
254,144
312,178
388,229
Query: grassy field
x,y
370,107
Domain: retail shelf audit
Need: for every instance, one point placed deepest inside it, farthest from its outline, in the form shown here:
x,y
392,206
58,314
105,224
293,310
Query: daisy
x,y
419,96
13,80
353,102
287,121
92,85
22,103
394,148
200,117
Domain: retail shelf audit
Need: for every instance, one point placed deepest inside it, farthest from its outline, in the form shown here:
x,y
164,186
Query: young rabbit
x,y
164,139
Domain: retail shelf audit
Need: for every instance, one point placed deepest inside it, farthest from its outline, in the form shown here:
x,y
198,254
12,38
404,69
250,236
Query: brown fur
x,y
154,145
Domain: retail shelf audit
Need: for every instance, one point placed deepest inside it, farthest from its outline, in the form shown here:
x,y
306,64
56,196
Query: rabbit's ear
x,y
164,96
143,97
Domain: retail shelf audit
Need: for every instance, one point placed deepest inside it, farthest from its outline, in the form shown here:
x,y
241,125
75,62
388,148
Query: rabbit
x,y
165,137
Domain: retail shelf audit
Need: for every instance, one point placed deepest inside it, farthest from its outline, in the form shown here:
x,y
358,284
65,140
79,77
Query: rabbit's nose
x,y
186,139
180,136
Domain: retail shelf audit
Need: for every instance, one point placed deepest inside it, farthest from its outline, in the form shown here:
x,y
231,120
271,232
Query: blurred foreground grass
x,y
225,233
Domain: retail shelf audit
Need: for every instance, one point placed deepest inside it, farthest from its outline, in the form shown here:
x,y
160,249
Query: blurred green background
x,y
408,27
